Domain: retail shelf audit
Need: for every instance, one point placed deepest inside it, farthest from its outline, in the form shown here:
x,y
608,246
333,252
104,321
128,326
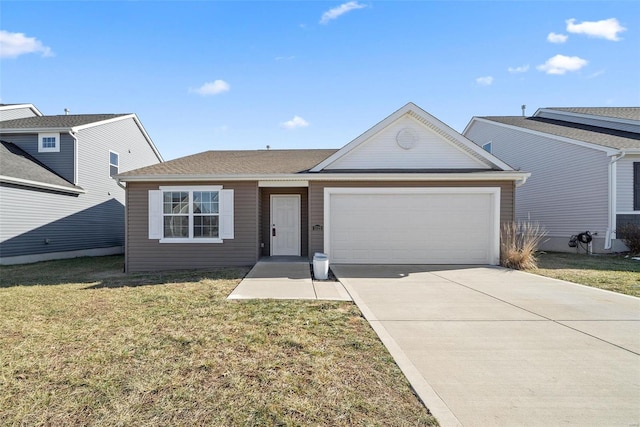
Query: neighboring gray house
x,y
410,190
18,111
58,197
584,164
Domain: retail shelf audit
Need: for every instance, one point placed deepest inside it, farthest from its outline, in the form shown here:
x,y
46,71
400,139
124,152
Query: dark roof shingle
x,y
17,163
240,162
592,134
63,121
627,113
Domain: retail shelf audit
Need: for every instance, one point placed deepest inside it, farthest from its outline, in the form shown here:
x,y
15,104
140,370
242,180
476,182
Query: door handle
x,y
273,232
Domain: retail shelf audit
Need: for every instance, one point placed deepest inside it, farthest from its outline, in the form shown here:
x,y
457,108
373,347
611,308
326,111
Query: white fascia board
x,y
17,106
125,117
363,137
36,184
609,150
587,116
425,118
37,130
463,176
283,183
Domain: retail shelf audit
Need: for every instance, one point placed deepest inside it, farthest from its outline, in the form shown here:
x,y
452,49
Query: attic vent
x,y
407,138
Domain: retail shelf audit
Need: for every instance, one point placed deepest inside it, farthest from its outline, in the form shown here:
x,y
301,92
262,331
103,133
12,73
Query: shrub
x,y
630,235
519,243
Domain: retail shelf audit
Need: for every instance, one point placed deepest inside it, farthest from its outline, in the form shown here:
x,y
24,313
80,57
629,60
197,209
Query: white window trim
x,y
110,164
55,149
190,190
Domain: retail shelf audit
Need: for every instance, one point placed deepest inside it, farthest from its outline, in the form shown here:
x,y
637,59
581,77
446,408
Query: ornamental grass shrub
x,y
630,236
519,242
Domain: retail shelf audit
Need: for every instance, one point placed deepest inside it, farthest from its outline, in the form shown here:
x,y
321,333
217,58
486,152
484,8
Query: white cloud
x,y
520,69
332,14
560,64
296,122
557,38
13,45
484,81
212,88
605,29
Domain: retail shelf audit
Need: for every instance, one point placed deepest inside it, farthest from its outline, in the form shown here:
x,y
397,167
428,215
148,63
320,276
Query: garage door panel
x,y
412,228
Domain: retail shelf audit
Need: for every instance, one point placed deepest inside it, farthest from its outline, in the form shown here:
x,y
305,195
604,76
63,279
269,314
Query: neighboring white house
x,y
584,164
58,195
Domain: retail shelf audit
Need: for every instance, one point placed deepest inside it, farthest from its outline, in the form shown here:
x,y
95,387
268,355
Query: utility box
x,y
320,266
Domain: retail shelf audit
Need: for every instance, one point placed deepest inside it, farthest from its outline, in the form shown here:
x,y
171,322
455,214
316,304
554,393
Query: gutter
x,y
612,223
36,184
520,177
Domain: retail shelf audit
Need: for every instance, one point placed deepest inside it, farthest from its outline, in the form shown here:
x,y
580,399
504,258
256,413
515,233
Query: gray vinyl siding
x,y
316,200
144,254
592,121
624,178
568,189
91,220
62,162
265,217
16,113
68,223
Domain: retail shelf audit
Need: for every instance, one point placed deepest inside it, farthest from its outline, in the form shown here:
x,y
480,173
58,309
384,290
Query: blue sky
x,y
214,75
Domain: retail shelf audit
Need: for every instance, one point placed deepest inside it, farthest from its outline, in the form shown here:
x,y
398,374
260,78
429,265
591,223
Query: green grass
x,y
611,272
81,343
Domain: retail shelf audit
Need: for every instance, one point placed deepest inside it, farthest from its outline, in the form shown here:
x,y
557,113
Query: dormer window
x,y
48,142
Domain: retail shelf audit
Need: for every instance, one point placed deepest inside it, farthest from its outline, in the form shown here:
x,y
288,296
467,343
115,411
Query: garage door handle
x,y
273,232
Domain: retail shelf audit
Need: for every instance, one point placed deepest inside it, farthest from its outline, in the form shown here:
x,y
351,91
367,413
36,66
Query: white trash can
x,y
320,266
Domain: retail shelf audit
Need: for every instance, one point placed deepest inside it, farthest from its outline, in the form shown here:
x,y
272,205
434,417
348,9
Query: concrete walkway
x,y
485,346
287,278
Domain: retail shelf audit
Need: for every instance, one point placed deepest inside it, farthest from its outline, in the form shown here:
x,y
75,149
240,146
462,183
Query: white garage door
x,y
412,225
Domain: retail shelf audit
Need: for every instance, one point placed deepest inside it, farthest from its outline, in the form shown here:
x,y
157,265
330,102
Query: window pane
x,y
113,170
113,158
176,226
176,202
205,226
205,202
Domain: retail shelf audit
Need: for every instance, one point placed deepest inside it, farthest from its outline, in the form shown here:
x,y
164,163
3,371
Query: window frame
x,y
42,148
636,186
117,166
190,214
488,147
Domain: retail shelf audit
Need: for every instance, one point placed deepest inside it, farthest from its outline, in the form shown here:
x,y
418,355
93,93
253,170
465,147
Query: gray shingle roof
x,y
241,162
16,163
627,113
63,121
592,134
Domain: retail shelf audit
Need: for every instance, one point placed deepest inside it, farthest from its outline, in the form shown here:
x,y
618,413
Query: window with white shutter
x,y
199,214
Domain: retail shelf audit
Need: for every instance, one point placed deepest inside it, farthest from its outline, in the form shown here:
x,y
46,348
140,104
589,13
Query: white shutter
x,y
226,214
155,214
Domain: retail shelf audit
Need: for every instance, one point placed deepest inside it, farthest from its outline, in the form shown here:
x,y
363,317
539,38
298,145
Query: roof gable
x,y
411,139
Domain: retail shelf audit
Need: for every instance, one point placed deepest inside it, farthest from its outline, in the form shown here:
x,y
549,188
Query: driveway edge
x,y
421,387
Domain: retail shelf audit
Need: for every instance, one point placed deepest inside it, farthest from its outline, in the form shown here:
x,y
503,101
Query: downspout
x,y
72,133
610,235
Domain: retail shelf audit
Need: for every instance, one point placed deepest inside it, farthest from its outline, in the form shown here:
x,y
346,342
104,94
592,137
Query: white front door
x,y
285,224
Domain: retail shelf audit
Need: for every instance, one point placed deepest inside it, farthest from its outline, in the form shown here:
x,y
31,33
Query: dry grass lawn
x,y
83,344
611,272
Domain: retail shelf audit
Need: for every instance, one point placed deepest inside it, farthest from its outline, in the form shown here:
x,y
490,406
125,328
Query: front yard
x,y
81,343
611,272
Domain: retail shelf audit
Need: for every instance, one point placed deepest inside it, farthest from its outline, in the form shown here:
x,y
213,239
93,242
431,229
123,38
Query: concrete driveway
x,y
486,346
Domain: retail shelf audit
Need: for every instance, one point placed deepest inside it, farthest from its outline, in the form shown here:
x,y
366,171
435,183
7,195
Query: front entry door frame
x,y
285,224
